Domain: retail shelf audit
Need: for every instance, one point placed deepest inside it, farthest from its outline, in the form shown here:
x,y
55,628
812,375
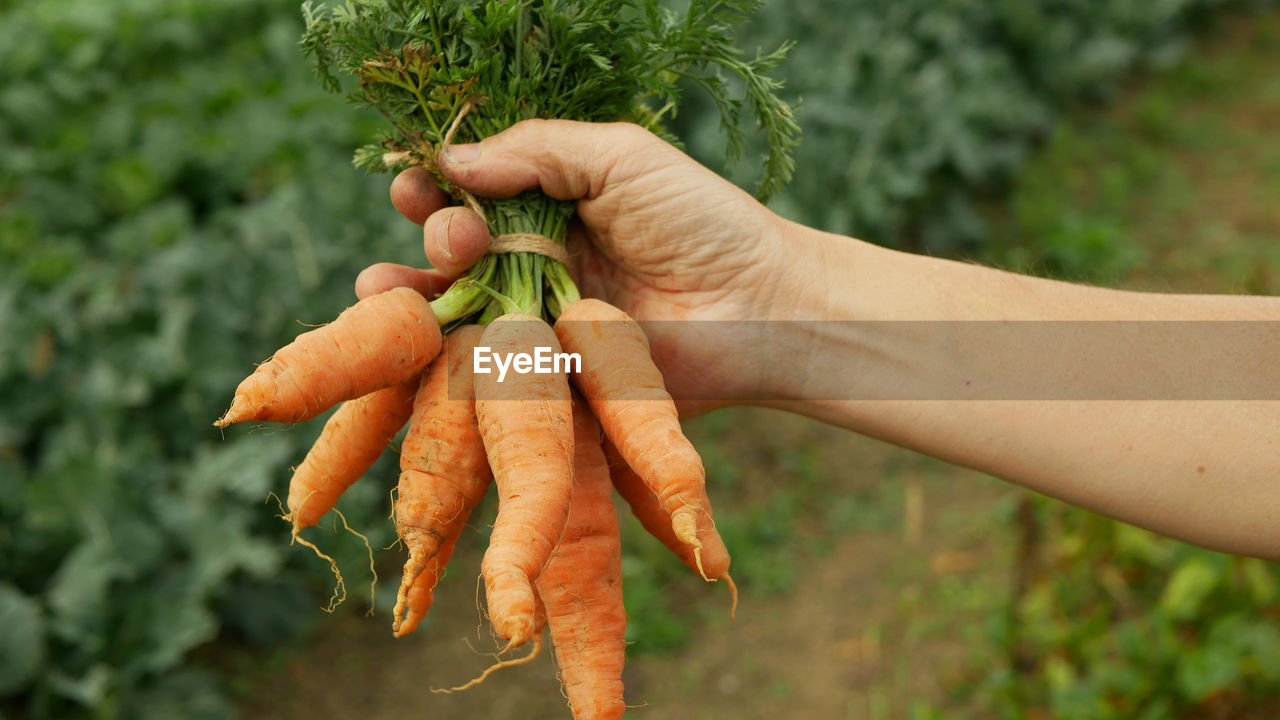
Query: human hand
x,y
658,235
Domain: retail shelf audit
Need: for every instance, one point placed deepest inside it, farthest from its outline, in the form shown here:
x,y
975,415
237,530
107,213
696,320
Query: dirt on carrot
x,y
626,392
350,443
527,425
383,340
581,586
444,474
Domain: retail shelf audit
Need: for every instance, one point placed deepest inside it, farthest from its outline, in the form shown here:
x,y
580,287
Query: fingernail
x,y
442,238
462,153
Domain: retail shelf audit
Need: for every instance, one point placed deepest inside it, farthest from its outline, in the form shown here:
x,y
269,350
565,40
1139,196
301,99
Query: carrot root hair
x,y
339,590
684,522
733,593
537,648
292,516
283,514
373,584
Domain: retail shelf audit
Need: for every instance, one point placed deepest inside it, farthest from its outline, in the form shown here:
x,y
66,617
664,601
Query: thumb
x,y
566,159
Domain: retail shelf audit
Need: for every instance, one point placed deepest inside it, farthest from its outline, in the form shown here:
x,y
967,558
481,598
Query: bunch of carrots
x,y
444,71
554,557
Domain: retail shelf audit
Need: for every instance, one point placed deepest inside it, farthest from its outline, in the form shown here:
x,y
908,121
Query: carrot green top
x,y
462,70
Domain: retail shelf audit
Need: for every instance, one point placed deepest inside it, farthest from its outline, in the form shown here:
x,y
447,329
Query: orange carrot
x,y
527,425
352,440
539,623
628,397
381,341
644,505
444,474
421,594
582,585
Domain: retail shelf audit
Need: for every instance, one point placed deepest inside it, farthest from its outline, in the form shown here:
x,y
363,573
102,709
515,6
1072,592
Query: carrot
x,y
527,425
539,623
420,595
644,505
383,340
628,397
444,474
582,585
352,440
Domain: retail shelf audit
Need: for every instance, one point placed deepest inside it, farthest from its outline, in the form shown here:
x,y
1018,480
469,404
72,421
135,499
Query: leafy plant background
x,y
176,197
914,110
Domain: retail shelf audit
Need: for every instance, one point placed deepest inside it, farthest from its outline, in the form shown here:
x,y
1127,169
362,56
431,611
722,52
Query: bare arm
x,y
1204,470
1054,410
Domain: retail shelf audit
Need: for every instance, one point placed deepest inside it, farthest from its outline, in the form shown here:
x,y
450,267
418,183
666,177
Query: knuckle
x,y
531,125
631,132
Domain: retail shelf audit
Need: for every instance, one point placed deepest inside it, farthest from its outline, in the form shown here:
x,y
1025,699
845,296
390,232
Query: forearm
x,y
925,353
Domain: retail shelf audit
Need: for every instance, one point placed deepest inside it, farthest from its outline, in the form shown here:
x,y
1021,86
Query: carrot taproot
x,y
421,594
539,624
526,421
352,440
444,473
383,340
646,508
581,585
627,395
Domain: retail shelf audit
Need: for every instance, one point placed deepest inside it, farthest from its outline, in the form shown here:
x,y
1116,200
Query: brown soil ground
x,y
840,644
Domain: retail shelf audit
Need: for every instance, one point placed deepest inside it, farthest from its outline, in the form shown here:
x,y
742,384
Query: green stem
x,y
522,277
507,304
524,282
563,292
435,24
426,109
464,297
492,312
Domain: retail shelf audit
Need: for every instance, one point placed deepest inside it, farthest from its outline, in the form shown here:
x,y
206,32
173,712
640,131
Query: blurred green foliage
x,y
914,111
1116,622
176,195
1110,621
